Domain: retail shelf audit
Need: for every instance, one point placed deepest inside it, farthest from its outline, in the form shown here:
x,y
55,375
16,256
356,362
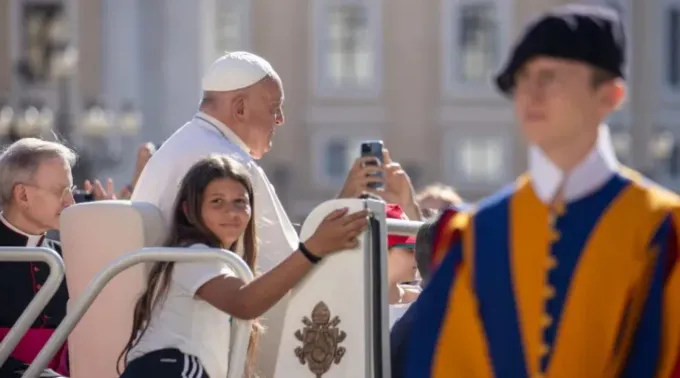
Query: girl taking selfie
x,y
181,324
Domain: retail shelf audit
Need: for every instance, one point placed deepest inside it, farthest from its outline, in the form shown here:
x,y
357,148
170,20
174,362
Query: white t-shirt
x,y
188,323
202,136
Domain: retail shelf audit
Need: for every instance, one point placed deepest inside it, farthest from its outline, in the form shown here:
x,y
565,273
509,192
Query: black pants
x,y
13,368
165,363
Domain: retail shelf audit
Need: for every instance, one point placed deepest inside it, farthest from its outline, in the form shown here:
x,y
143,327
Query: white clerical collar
x,y
593,172
224,129
33,240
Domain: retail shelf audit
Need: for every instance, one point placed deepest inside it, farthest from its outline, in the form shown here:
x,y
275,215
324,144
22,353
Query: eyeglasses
x,y
62,194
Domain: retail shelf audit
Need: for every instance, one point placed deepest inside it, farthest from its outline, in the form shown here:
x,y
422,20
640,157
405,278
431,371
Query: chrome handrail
x,y
40,300
240,336
403,227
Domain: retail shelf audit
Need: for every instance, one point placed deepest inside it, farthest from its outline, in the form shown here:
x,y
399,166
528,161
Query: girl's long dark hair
x,y
187,229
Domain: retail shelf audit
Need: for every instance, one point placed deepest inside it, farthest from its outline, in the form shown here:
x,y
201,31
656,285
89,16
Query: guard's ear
x,y
613,95
620,94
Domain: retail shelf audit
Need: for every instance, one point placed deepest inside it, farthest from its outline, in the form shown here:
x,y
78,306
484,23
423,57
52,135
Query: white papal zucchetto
x,y
236,70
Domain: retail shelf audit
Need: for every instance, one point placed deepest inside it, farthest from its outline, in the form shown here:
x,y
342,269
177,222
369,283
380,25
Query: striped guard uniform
x,y
524,288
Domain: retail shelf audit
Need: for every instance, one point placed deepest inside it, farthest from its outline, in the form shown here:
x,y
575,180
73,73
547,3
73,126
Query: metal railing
x,y
403,227
240,337
40,300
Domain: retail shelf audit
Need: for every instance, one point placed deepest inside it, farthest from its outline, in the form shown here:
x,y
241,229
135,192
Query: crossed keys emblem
x,y
320,341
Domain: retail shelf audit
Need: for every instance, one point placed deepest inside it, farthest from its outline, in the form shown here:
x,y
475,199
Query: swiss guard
x,y
572,271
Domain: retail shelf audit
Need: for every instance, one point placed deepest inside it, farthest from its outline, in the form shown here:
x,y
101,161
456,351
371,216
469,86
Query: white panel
x,y
339,282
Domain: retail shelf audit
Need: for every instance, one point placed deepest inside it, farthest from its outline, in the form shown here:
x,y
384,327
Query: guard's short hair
x,y
20,160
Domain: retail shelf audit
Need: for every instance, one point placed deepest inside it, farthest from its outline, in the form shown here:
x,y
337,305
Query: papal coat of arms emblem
x,y
320,338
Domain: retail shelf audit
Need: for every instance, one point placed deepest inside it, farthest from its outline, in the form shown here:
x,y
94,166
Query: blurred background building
x,y
108,74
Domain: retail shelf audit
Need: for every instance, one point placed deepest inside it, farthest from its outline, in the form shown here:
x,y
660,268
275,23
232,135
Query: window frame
x,y
452,87
322,85
345,147
670,92
319,143
209,22
452,147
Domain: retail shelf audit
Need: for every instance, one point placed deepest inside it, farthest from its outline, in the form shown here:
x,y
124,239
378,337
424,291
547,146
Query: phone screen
x,y
81,196
373,148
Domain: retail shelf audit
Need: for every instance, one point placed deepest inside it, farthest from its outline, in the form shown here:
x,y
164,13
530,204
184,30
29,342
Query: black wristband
x,y
309,255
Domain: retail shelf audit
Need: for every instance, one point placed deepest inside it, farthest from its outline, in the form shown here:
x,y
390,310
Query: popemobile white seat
x,y
93,235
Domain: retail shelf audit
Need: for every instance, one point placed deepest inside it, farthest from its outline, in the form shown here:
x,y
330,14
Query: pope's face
x,y
264,115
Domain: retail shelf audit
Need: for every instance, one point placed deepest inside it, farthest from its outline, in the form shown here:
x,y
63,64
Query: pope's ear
x,y
238,106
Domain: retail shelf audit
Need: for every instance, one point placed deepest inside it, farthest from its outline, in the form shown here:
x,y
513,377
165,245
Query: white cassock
x,y
204,135
200,137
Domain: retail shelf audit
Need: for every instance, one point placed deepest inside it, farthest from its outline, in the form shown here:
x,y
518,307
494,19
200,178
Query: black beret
x,y
585,33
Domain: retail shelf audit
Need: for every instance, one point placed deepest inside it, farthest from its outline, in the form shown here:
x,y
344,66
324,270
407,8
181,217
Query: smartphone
x,y
81,196
373,148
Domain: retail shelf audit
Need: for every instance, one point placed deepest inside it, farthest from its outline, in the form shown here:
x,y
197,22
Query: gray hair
x,y
20,160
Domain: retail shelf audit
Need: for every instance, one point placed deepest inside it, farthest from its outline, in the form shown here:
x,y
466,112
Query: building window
x,y
336,164
673,48
476,34
229,33
230,23
481,159
350,57
333,157
347,46
477,44
281,175
43,25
